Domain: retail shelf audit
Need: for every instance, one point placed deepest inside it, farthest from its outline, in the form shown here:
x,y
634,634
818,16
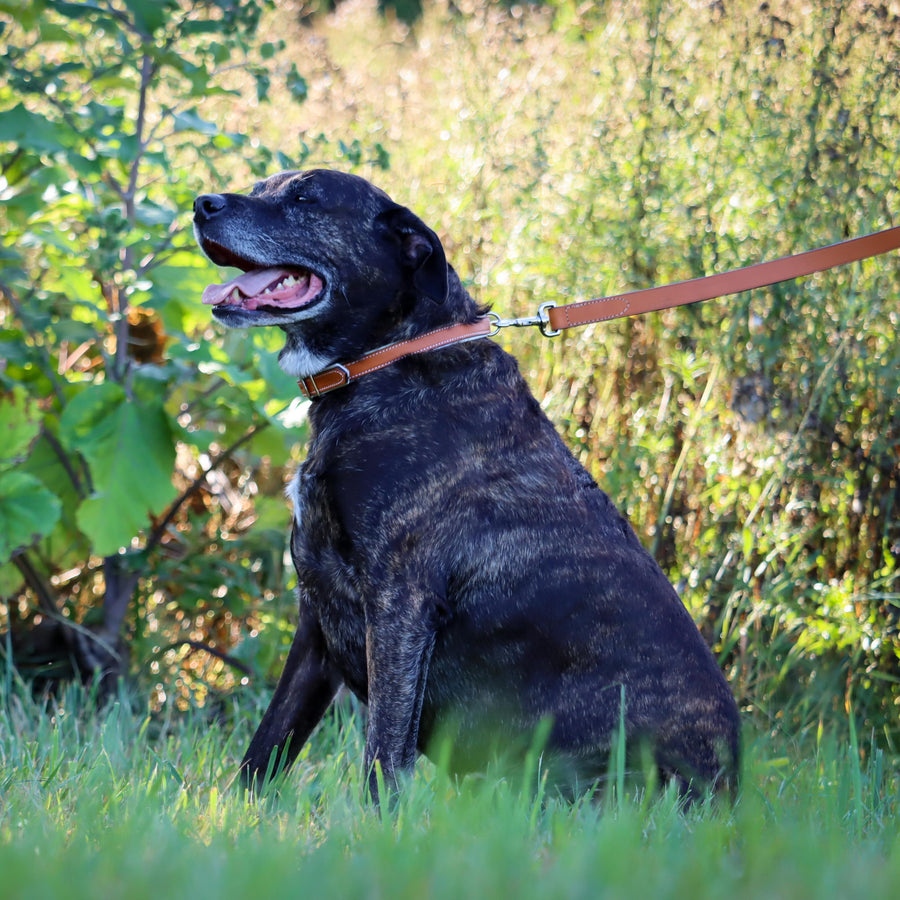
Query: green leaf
x,y
129,449
25,13
10,580
45,464
279,385
18,424
200,26
78,11
190,121
149,15
176,292
20,126
263,82
28,512
89,415
296,84
153,214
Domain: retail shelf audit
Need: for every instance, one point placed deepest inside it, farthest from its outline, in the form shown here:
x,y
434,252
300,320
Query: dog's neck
x,y
298,361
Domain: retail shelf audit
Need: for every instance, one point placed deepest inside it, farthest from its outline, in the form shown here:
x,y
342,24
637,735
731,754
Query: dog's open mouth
x,y
274,288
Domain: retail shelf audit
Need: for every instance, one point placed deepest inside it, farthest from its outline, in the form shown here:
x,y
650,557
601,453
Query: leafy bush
x,y
111,380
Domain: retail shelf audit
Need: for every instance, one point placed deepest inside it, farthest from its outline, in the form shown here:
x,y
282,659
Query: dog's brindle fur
x,y
458,569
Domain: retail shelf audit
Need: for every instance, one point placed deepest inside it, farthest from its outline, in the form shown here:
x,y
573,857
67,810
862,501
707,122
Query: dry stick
x,y
196,484
50,610
685,449
212,651
33,579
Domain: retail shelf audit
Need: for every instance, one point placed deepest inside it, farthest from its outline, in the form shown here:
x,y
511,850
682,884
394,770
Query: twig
x,y
212,651
45,598
66,463
197,483
216,384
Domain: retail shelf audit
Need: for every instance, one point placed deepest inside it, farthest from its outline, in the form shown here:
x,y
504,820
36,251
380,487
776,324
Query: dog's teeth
x,y
289,281
235,295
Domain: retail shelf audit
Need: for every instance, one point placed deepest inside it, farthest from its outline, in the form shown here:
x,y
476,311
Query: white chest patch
x,y
298,362
292,492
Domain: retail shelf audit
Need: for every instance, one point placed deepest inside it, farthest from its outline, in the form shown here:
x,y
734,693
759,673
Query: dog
x,y
458,570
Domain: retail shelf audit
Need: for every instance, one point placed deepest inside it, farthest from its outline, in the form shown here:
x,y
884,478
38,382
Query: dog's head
x,y
327,257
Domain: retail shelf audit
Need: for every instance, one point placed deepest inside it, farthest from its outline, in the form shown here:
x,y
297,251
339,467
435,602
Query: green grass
x,y
116,804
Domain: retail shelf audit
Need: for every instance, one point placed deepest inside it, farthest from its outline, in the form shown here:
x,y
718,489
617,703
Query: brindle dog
x,y
458,569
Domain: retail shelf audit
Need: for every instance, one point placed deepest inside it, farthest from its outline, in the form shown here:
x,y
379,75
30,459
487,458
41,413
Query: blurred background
x,y
562,151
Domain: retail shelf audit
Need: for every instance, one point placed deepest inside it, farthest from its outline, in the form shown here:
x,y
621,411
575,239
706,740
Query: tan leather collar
x,y
338,375
551,319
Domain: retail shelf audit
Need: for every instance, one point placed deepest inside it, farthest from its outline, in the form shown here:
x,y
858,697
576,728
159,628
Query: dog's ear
x,y
421,251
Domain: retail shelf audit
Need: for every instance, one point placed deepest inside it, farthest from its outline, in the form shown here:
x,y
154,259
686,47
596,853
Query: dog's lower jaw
x,y
299,361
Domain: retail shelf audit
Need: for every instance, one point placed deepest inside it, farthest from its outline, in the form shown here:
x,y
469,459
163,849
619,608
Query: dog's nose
x,y
208,205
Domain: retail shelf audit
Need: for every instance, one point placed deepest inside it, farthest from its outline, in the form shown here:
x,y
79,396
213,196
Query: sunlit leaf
x,y
130,452
28,511
20,423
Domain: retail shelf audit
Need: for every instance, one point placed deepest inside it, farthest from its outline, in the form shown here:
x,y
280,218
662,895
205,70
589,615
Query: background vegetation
x,y
562,151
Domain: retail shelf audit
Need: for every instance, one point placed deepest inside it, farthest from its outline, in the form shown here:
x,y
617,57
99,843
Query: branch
x,y
66,463
45,597
196,484
148,70
212,651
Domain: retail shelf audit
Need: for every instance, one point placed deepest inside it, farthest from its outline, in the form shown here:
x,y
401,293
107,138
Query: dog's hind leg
x,y
306,688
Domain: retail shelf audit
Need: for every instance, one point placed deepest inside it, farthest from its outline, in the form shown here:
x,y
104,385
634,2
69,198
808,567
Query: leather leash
x,y
552,319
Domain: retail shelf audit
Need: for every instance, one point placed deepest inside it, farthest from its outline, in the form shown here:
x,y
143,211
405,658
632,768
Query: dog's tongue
x,y
271,287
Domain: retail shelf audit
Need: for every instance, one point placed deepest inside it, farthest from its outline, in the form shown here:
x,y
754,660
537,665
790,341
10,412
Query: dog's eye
x,y
303,198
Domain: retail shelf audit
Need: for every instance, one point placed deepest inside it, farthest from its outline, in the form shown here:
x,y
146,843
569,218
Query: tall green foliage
x,y
586,149
107,389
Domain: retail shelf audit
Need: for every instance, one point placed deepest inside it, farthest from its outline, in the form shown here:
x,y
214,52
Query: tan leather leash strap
x,y
724,283
551,319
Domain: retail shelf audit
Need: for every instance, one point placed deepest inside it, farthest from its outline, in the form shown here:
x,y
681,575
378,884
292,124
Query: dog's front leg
x,y
306,688
399,642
